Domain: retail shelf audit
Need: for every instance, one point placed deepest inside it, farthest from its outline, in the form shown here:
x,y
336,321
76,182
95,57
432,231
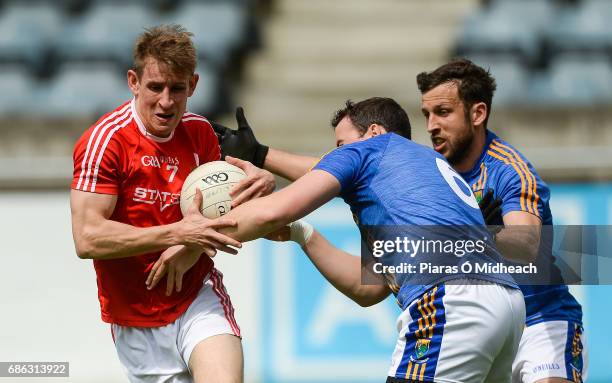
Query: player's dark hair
x,y
474,83
375,110
168,44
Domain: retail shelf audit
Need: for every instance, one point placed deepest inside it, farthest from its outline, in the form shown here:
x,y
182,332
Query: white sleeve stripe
x,y
101,154
93,134
127,115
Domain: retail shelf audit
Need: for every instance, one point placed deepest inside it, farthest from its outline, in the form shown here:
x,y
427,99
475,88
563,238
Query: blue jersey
x,y
512,178
389,180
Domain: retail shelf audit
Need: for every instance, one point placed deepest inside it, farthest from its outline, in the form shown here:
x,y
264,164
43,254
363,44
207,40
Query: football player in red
x,y
128,171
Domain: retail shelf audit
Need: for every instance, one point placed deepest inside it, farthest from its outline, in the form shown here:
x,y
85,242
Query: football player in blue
x,y
456,102
454,327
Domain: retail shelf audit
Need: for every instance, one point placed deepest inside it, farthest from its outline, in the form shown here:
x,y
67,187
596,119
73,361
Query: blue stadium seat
x,y
218,27
26,30
17,93
206,98
574,80
514,27
511,76
106,32
584,28
62,5
83,90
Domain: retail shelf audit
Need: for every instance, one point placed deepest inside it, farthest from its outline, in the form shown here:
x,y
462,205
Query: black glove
x,y
491,211
240,143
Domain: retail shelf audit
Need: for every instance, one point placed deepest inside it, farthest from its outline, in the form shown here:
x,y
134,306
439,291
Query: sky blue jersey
x,y
391,181
512,178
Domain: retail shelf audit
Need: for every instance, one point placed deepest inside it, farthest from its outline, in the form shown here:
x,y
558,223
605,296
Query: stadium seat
x,y
92,46
26,30
208,96
514,27
218,27
582,29
62,5
511,76
105,32
83,90
17,93
574,81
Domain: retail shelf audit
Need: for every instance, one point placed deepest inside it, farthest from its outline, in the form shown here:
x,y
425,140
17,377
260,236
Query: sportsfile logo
x,y
152,196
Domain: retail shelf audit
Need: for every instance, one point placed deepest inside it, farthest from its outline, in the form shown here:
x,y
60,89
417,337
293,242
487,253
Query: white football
x,y
214,179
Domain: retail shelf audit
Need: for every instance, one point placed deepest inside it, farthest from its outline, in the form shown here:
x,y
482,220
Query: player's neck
x,y
474,152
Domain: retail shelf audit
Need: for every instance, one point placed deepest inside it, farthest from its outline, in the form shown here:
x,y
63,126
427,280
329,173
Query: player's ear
x,y
193,81
376,129
478,113
133,81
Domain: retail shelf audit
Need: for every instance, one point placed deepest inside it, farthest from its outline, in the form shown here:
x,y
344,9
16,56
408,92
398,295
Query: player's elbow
x,y
370,295
84,252
365,302
532,249
84,245
531,245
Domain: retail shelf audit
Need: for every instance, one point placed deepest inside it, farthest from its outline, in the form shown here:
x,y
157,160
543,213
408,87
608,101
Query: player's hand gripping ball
x,y
214,179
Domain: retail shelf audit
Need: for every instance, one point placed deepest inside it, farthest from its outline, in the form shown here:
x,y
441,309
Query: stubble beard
x,y
459,149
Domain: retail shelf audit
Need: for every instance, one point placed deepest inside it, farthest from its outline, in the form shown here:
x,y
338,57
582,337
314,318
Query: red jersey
x,y
118,156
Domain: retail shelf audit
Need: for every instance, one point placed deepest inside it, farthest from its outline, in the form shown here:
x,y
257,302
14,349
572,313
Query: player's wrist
x,y
176,234
259,157
300,232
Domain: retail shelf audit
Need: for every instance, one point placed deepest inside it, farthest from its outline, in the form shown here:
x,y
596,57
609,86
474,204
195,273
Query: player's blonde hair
x,y
168,44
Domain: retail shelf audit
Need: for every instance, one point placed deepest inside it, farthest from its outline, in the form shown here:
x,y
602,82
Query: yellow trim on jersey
x,y
482,179
504,160
476,186
520,169
320,158
527,171
486,175
526,200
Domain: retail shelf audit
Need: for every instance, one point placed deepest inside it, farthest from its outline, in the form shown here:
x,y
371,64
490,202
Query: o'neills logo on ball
x,y
215,178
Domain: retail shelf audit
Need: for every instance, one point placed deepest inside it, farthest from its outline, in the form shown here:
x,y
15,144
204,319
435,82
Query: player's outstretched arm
x,y
96,236
241,143
519,240
258,182
260,216
288,165
341,269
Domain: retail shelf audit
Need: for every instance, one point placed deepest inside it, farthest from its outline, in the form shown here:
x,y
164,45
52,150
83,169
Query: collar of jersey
x,y
142,128
490,136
